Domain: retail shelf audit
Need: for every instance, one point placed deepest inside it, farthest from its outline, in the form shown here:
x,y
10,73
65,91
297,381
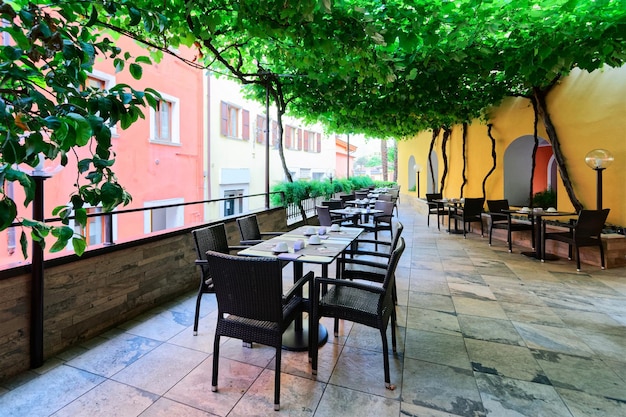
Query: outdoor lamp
x,y
417,168
599,160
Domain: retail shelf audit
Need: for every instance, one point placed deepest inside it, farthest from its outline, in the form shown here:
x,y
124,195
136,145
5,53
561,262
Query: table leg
x,y
537,254
296,337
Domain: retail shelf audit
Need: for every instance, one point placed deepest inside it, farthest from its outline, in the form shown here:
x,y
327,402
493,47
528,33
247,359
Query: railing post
x,y
108,229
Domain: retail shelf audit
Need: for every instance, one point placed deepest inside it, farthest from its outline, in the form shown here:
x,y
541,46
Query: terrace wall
x,y
86,296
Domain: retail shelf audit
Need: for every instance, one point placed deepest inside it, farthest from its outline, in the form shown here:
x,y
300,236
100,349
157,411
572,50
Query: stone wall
x,y
86,296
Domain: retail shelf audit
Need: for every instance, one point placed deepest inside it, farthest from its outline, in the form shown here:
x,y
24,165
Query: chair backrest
x,y
323,215
433,196
333,204
397,232
393,263
591,222
249,228
359,195
346,197
496,207
395,192
385,197
210,238
473,206
386,207
249,287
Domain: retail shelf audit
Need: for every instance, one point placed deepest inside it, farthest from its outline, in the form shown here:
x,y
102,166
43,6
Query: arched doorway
x,y
433,176
517,169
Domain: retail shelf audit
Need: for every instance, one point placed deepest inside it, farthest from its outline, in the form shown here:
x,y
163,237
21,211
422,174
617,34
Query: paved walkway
x,y
482,332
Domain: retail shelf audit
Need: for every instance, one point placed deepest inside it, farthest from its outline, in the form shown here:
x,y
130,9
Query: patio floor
x,y
482,332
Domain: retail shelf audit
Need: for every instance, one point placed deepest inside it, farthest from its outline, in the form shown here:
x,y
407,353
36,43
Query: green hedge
x,y
302,189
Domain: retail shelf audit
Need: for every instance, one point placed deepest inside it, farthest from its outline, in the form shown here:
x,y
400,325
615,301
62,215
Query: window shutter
x,y
319,143
306,140
287,132
245,123
224,120
299,139
260,126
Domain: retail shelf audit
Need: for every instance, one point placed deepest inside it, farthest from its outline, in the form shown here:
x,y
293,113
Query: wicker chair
x,y
249,230
584,232
325,218
435,208
381,221
210,238
365,264
502,220
471,213
251,306
358,302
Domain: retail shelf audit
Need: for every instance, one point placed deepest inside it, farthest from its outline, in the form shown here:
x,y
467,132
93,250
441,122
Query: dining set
x,y
583,228
248,285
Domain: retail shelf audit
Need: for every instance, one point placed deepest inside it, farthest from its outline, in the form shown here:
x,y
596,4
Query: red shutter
x,y
319,143
224,120
260,127
306,140
287,133
245,123
299,139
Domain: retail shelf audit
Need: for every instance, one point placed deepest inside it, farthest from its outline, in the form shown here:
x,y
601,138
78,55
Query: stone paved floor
x,y
482,332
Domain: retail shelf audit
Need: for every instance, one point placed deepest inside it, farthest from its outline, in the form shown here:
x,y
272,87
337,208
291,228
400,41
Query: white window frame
x,y
109,82
178,219
175,117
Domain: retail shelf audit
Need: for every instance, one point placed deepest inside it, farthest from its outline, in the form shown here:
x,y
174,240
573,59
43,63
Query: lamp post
x,y
599,160
417,168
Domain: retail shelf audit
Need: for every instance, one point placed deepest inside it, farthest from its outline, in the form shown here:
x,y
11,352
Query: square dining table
x,y
332,245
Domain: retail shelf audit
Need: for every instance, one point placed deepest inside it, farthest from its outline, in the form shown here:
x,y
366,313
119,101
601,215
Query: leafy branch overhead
x,y
385,69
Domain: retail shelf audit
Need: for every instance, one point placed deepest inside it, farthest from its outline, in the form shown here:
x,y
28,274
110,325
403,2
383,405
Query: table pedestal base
x,y
298,340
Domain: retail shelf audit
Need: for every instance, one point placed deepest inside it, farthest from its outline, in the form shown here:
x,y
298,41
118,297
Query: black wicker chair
x,y
366,264
249,230
251,305
470,213
324,217
208,238
584,232
359,302
502,220
435,208
381,221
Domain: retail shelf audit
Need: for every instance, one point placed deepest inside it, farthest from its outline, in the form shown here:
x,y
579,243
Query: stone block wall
x,y
86,296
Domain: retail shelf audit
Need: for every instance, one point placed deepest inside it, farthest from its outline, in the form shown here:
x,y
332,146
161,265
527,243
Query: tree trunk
x,y
464,157
534,156
430,152
493,158
395,162
446,135
383,157
542,109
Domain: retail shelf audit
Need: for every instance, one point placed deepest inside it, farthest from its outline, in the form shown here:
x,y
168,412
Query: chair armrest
x,y
346,283
202,262
272,233
237,248
297,287
249,243
357,261
368,253
374,241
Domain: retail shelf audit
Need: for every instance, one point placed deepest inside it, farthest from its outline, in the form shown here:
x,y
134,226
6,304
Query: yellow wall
x,y
588,111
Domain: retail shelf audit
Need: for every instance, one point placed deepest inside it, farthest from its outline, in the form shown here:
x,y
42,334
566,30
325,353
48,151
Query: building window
x,y
101,81
261,125
165,217
95,230
165,121
235,122
234,204
305,173
310,141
